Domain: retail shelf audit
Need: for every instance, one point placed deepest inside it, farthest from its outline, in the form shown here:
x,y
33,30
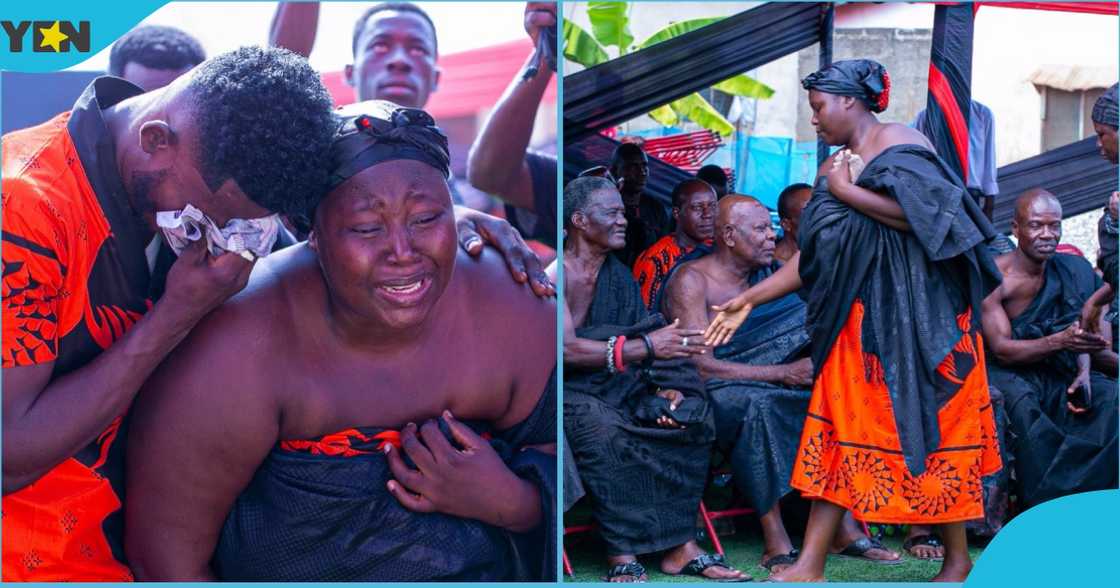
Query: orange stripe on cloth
x,y
850,453
341,443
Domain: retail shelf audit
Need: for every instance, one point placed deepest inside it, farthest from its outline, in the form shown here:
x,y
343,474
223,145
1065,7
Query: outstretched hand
x,y
1091,317
1078,340
476,229
1079,390
676,342
730,317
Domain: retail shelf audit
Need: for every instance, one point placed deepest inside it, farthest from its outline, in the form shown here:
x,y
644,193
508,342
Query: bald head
x,y
1037,224
1036,197
733,206
743,229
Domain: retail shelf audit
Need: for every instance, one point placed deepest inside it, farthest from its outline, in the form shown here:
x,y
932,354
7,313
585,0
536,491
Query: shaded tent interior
x,y
624,88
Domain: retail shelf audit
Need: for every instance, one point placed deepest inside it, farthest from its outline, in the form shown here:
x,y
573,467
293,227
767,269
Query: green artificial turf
x,y
743,550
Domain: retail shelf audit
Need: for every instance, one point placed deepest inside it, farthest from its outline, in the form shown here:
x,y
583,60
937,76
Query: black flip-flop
x,y
704,561
856,550
780,560
930,539
630,568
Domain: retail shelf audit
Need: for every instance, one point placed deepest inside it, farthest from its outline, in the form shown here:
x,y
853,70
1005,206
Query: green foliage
x,y
610,27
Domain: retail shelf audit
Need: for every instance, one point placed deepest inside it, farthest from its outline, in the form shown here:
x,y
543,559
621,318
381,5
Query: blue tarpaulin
x,y
769,164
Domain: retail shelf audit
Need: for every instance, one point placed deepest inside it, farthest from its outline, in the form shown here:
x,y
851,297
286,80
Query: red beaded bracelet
x,y
618,354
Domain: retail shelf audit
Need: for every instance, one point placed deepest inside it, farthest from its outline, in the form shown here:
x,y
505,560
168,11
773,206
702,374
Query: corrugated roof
x,y
1073,78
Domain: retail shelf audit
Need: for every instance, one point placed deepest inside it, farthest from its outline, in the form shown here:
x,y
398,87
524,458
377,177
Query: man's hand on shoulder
x,y
478,228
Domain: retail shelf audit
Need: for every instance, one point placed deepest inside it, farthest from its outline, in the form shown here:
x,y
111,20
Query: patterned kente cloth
x,y
850,454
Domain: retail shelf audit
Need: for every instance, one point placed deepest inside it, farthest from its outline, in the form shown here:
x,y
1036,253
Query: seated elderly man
x,y
759,381
333,421
636,419
1061,411
694,209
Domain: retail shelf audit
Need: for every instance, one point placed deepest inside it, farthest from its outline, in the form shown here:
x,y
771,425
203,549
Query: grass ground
x,y
744,550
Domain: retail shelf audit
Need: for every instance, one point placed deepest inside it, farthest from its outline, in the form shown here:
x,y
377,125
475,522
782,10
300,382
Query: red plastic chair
x,y
564,552
710,516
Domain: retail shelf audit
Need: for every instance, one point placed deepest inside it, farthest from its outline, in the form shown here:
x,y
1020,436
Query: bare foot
x,y
934,550
797,573
676,560
953,573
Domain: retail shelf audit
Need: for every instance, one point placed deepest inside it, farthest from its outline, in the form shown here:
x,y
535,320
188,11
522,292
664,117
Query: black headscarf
x,y
377,131
862,78
1104,110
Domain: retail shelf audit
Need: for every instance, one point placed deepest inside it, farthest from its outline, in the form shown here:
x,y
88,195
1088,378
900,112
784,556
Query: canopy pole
x,y
824,61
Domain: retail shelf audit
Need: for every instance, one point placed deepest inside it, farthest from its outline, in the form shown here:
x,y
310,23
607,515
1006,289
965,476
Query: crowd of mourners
x,y
891,356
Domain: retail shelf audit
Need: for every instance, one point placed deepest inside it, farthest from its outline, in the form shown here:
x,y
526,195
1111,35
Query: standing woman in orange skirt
x,y
900,426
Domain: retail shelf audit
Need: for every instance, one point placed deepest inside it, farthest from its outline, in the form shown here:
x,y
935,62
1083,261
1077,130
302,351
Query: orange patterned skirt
x,y
850,453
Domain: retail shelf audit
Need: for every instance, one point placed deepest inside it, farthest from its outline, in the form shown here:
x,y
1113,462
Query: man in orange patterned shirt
x,y
694,209
80,330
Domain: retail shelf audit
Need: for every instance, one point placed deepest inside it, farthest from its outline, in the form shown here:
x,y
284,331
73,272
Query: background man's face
x,y
797,204
1039,230
697,214
395,59
149,78
633,171
1106,140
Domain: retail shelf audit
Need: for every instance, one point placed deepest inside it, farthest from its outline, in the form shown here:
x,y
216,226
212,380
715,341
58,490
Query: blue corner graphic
x,y
1070,541
49,36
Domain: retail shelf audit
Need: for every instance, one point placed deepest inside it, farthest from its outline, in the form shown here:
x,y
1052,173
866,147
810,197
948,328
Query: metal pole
x,y
825,61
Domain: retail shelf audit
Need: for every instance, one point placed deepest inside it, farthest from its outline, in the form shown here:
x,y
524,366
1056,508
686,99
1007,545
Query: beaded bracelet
x,y
617,356
610,355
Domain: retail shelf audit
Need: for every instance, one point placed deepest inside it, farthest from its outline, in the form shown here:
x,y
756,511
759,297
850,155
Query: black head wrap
x,y
862,78
1104,110
377,131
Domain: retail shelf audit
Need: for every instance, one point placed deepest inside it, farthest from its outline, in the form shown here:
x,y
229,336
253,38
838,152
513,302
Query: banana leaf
x,y
610,24
664,115
677,29
746,86
696,109
581,47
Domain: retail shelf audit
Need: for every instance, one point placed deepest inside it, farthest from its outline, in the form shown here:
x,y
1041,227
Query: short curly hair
x,y
265,121
577,195
360,24
157,47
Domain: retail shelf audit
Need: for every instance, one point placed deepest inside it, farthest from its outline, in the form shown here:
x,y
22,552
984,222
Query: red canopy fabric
x,y
472,81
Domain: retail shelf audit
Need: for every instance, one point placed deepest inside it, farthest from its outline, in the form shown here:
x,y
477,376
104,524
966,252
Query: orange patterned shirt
x,y
75,279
